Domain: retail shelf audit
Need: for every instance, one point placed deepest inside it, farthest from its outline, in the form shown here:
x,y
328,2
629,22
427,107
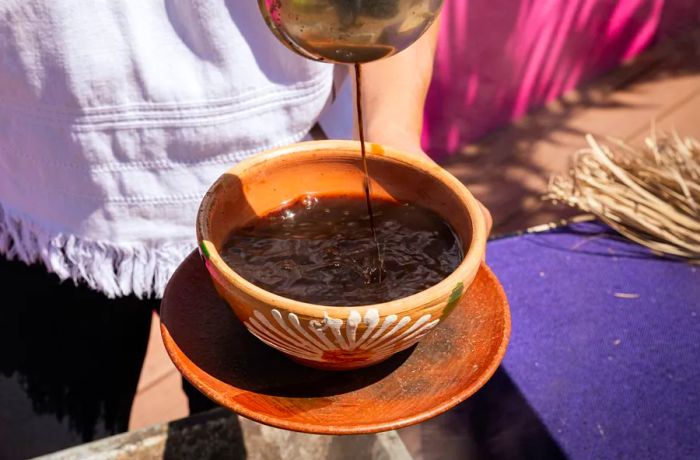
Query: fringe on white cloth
x,y
114,270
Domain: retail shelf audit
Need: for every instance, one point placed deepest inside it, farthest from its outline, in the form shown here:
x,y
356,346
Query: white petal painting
x,y
321,340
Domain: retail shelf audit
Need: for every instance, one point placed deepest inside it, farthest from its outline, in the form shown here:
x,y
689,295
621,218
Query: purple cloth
x,y
605,346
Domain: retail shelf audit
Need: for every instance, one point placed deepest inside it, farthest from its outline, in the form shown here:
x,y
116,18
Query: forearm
x,y
394,92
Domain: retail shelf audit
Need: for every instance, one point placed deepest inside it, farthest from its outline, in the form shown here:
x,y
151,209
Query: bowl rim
x,y
469,265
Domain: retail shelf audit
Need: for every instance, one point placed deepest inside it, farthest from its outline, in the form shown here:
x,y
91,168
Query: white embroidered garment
x,y
116,116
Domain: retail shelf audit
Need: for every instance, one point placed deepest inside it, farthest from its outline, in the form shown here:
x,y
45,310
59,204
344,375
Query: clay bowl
x,y
328,337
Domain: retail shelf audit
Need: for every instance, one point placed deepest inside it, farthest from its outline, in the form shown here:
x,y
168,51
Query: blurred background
x,y
497,60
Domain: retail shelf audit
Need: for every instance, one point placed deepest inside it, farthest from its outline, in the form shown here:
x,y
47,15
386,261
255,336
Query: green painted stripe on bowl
x,y
454,299
205,251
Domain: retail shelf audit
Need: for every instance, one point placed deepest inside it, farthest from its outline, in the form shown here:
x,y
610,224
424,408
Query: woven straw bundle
x,y
650,194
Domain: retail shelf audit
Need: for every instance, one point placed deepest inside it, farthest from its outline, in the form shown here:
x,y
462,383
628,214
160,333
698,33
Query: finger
x,y
488,223
488,220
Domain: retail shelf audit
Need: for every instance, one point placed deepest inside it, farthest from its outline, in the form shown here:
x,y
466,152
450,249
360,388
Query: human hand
x,y
406,141
410,143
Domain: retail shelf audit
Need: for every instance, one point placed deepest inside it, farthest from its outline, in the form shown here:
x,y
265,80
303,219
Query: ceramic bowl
x,y
331,337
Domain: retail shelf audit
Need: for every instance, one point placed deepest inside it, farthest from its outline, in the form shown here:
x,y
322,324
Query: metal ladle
x,y
348,31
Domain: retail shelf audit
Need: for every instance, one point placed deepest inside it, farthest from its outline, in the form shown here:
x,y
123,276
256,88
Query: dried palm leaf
x,y
649,194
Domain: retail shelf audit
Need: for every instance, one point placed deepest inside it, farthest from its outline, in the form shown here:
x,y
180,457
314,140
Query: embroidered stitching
x,y
162,106
119,166
194,119
173,199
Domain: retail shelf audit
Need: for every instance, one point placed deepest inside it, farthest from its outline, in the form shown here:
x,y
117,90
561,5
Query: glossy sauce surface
x,y
322,251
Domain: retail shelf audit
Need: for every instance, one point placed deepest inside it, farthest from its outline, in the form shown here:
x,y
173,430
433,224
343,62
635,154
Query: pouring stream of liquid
x,y
374,271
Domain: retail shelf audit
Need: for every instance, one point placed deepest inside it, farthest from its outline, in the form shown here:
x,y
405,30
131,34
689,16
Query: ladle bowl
x,y
348,31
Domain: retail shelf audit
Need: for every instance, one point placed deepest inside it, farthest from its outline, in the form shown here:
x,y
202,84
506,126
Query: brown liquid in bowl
x,y
321,250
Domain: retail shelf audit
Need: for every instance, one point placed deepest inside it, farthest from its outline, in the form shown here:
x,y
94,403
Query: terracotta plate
x,y
213,350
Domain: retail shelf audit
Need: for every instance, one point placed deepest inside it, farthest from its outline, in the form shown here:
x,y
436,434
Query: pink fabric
x,y
497,59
